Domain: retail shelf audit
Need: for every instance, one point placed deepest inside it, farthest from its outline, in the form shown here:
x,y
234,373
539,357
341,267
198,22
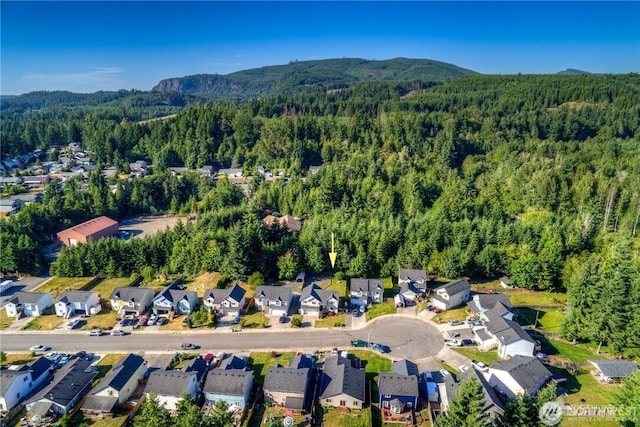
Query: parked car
x,y
357,363
63,360
283,319
162,321
95,332
142,320
40,347
463,368
359,343
152,320
453,343
81,354
454,334
357,313
479,365
53,356
73,323
118,333
189,346
208,358
89,356
381,347
454,322
467,342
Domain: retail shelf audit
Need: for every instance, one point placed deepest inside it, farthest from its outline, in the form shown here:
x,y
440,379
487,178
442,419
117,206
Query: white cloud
x,y
102,77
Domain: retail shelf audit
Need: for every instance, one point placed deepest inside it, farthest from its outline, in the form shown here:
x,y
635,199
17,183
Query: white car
x,y
453,343
53,356
152,320
479,365
118,333
463,368
73,323
95,332
40,347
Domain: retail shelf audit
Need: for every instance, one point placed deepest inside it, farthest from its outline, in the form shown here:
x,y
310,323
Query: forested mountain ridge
x,y
534,176
300,75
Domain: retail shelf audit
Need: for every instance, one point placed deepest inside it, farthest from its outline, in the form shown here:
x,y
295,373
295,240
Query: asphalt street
x,y
407,337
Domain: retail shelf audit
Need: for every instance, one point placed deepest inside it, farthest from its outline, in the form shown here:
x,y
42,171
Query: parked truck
x,y
5,285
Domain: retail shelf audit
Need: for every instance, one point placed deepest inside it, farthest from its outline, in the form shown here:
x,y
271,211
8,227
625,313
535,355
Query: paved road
x,y
408,338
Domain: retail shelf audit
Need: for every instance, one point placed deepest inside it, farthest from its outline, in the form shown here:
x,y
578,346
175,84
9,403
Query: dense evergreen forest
x,y
537,177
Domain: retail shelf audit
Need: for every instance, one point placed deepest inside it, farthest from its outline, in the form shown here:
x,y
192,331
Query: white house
x,y
131,301
18,384
174,298
452,294
226,301
232,386
518,375
274,300
170,385
315,300
72,303
612,371
371,291
490,306
28,303
510,338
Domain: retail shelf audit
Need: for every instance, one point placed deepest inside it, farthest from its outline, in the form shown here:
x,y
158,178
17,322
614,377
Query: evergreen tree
x,y
466,409
152,414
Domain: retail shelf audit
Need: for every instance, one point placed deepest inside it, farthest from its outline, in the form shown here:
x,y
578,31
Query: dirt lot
x,y
147,224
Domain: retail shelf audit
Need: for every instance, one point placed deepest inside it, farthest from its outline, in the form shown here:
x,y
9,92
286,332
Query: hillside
x,y
296,76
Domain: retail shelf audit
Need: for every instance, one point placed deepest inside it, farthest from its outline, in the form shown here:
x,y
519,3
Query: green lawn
x,y
157,285
486,357
549,320
20,359
203,282
47,322
389,288
105,287
331,321
5,320
572,352
386,307
261,361
353,418
523,297
340,286
105,320
254,320
373,363
57,285
453,314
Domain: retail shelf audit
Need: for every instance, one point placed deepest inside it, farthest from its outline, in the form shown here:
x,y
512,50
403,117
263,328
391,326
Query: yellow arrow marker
x,y
333,254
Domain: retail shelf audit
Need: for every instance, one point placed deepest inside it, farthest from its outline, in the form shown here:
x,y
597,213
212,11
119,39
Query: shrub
x,y
296,320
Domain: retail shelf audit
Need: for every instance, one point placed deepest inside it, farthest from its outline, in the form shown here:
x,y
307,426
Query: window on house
x,y
18,395
328,400
25,379
343,403
385,403
409,404
387,396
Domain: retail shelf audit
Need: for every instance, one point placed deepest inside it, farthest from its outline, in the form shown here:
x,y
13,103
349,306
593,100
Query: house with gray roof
x,y
510,338
174,298
518,375
341,385
230,172
452,294
288,387
10,206
274,300
231,361
116,387
67,387
398,392
225,301
315,300
131,300
28,303
72,303
416,278
232,386
613,371
490,306
197,365
369,291
18,384
170,385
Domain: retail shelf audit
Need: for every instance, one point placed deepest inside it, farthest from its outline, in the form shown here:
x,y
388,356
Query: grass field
x,y
105,287
340,286
486,357
389,288
47,322
20,359
354,418
453,314
254,320
386,307
549,320
524,297
373,363
58,285
262,361
104,320
5,320
203,282
157,285
331,321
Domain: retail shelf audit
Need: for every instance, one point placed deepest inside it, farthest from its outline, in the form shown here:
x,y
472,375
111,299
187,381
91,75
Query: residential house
x,y
489,306
398,394
289,386
452,294
232,386
17,384
206,171
178,171
518,375
506,283
315,300
289,222
91,230
67,388
231,361
169,386
138,168
231,172
197,365
369,291
416,278
131,301
493,405
613,371
225,301
264,172
341,385
116,387
28,303
510,338
314,169
274,300
10,206
36,181
174,298
72,303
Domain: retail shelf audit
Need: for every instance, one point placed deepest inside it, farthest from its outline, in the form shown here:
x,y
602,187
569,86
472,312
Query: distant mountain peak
x,y
573,72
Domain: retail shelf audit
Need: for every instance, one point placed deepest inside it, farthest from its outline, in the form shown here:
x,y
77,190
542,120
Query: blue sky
x,y
90,46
